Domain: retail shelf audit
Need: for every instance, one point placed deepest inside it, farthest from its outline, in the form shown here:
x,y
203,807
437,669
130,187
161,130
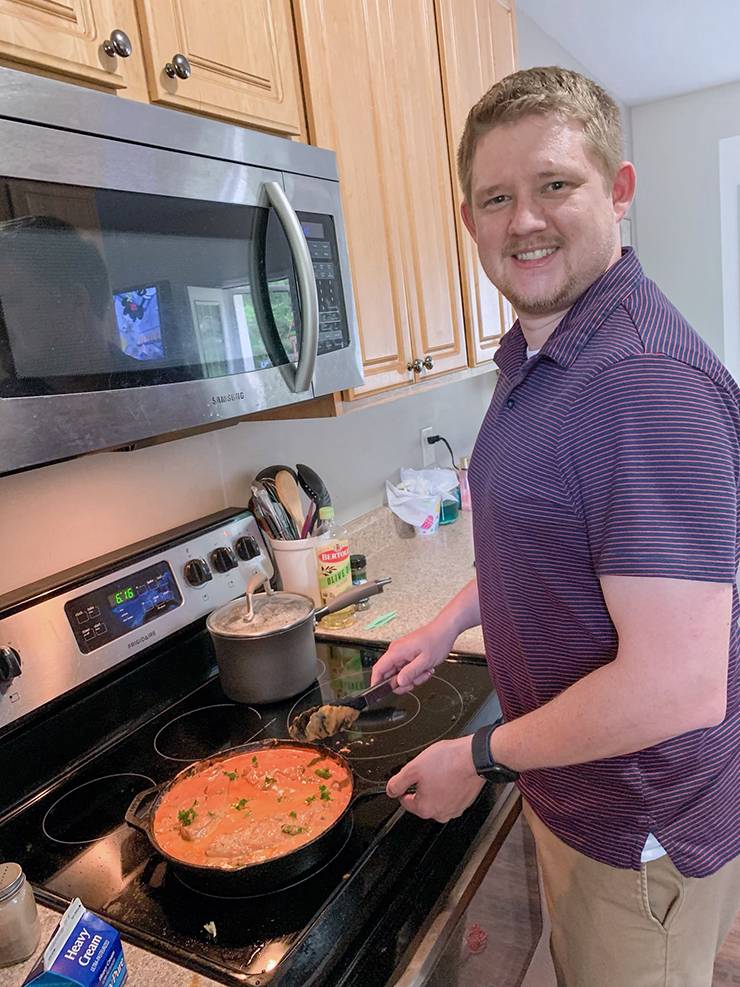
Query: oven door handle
x,y
302,375
425,954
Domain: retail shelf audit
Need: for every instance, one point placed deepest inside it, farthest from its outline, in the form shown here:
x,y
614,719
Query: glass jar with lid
x,y
19,921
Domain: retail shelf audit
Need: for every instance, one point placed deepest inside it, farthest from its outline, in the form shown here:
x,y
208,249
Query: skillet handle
x,y
141,822
379,790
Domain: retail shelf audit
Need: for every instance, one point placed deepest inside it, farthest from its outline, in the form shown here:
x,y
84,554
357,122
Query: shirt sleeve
x,y
650,454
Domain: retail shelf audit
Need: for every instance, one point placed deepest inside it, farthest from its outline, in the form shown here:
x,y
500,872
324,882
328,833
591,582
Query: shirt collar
x,y
583,318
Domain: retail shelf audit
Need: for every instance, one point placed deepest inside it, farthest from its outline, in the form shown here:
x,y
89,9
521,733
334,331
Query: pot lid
x,y
273,612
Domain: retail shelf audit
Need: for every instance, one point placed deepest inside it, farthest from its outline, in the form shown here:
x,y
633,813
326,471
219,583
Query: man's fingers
x,y
413,674
401,782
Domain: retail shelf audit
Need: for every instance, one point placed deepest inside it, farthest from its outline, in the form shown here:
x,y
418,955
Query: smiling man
x,y
605,485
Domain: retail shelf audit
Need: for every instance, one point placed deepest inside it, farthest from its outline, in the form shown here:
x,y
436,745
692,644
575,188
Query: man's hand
x,y
414,657
446,781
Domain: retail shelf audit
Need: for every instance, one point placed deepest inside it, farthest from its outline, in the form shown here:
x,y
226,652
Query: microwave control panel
x,y
322,245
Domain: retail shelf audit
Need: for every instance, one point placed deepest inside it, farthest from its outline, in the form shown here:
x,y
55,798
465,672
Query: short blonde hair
x,y
540,91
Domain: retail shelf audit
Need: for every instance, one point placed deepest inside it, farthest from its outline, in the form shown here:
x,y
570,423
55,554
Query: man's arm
x,y
669,677
414,656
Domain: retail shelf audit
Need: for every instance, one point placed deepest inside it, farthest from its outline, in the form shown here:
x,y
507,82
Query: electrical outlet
x,y
428,457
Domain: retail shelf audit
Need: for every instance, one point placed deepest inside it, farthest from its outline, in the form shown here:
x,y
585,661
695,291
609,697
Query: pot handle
x,y
131,817
371,588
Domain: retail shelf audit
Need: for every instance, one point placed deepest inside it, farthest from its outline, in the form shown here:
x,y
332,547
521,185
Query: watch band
x,y
483,761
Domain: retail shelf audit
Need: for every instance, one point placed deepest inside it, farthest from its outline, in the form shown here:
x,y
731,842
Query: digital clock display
x,y
107,613
121,596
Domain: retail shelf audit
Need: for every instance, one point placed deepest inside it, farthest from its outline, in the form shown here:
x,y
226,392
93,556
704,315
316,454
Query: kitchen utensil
x,y
274,511
328,723
368,697
308,523
290,497
271,654
315,488
384,618
265,875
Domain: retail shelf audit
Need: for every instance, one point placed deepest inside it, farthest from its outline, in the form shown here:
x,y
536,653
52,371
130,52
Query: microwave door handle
x,y
303,373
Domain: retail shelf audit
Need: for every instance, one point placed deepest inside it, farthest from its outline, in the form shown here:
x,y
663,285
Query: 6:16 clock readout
x,y
115,599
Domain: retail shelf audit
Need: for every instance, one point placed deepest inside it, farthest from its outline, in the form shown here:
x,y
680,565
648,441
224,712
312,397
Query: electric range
x,y
97,725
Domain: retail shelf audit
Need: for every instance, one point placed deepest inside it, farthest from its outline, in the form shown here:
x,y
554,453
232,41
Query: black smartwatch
x,y
483,762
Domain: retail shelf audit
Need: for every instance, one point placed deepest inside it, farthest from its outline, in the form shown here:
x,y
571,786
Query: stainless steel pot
x,y
264,643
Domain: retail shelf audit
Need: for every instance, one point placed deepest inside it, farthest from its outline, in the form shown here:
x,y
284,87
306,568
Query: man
x,y
605,506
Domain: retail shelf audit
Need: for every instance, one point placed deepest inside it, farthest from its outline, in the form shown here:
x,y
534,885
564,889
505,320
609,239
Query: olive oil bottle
x,y
335,574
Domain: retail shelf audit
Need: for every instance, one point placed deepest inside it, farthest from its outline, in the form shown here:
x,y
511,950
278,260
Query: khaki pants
x,y
613,927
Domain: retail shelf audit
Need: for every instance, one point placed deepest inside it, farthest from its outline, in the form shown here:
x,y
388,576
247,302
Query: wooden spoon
x,y
290,497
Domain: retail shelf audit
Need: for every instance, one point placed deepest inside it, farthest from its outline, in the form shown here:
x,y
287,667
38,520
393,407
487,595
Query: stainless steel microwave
x,y
158,272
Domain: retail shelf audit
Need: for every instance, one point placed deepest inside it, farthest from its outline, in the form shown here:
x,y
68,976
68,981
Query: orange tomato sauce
x,y
252,807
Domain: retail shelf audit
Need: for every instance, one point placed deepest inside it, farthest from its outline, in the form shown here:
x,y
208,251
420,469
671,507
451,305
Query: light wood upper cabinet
x,y
477,44
373,94
66,37
241,54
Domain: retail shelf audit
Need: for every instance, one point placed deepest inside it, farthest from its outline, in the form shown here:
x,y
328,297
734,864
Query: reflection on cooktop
x,y
208,730
90,811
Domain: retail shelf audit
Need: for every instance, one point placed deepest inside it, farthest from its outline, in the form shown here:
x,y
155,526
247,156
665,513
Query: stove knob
x,y
247,548
10,664
223,559
197,572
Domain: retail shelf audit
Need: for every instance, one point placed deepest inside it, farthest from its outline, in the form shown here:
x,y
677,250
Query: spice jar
x,y
19,921
358,567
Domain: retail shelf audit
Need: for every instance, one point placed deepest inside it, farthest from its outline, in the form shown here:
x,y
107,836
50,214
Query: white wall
x,y
538,48
676,148
57,516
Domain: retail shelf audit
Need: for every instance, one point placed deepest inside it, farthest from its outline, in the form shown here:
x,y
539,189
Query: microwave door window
x,y
101,289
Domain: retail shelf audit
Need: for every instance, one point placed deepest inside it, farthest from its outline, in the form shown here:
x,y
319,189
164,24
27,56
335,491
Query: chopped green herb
x,y
310,799
323,772
187,816
231,775
293,830
269,780
293,814
254,760
325,794
240,804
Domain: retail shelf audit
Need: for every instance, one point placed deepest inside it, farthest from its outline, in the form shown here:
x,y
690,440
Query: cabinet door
x,y
373,93
346,72
425,204
241,54
66,37
477,43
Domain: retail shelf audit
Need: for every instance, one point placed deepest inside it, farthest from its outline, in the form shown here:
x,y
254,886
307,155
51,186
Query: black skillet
x,y
258,877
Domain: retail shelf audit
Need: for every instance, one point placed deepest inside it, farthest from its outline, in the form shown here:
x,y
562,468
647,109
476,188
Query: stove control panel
x,y
89,625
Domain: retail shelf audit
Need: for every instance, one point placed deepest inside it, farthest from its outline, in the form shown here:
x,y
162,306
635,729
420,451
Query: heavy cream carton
x,y
84,951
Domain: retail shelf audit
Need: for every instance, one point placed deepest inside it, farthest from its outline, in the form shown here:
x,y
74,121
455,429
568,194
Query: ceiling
x,y
643,50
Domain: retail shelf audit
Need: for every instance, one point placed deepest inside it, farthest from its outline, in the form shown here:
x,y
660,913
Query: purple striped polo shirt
x,y
614,450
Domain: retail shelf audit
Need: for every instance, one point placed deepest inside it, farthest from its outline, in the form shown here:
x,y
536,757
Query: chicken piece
x,y
259,836
203,825
320,722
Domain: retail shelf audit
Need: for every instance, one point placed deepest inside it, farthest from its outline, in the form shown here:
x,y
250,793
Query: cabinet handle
x,y
119,44
428,362
179,66
416,366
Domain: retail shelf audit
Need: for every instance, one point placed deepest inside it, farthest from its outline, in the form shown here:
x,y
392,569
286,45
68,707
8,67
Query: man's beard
x,y
561,299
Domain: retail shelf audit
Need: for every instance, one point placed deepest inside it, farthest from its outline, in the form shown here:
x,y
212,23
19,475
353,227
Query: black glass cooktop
x,y
72,840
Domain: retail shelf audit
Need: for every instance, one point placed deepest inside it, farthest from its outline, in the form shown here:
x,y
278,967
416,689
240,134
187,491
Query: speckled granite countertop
x,y
427,571
144,969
